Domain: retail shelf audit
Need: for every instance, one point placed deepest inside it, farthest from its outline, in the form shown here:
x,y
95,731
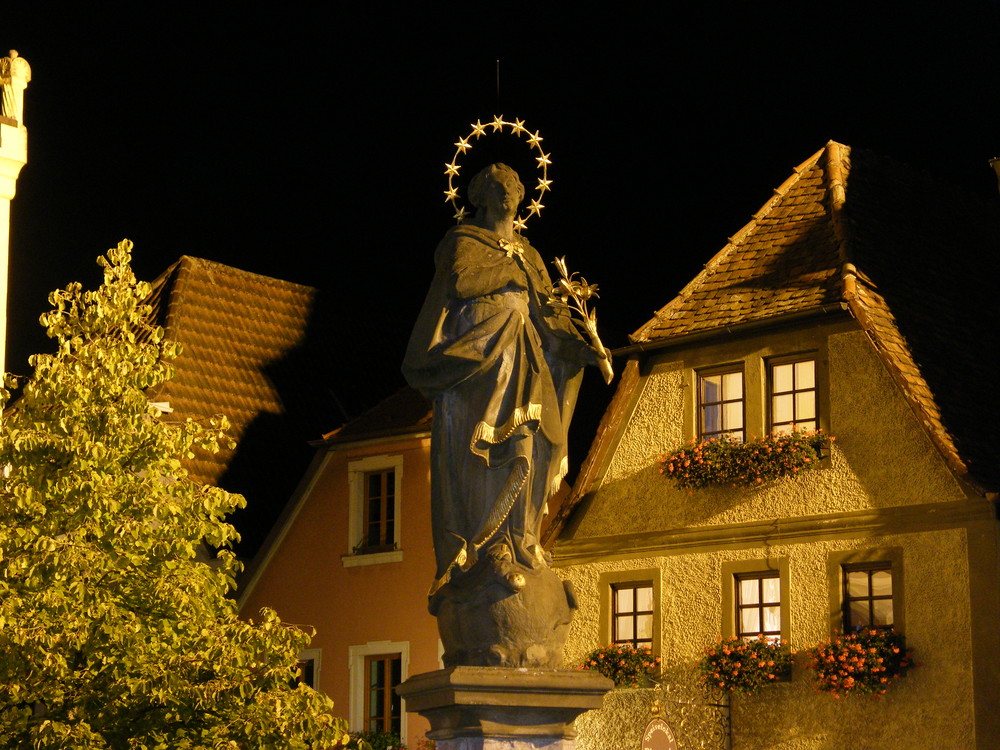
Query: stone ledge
x,y
507,706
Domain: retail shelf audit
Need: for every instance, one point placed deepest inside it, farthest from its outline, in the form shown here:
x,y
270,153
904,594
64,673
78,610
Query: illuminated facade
x,y
848,303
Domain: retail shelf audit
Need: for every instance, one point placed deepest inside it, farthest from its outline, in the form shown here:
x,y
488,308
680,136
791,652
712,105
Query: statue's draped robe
x,y
503,371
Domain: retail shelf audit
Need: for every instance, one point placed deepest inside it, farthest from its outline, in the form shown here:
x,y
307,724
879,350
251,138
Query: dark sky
x,y
309,145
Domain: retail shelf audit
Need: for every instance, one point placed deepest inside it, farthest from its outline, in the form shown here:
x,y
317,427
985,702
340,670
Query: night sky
x,y
310,145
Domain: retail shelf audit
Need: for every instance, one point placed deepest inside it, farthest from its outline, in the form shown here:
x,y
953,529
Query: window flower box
x,y
624,664
744,665
725,460
866,662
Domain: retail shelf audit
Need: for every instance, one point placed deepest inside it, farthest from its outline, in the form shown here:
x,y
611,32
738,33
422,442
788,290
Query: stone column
x,y
13,156
503,708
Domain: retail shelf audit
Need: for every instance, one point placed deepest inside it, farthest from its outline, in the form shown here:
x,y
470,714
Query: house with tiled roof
x,y
238,333
352,558
854,302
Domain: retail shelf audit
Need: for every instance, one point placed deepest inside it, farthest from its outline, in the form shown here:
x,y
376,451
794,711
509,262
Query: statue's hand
x,y
604,364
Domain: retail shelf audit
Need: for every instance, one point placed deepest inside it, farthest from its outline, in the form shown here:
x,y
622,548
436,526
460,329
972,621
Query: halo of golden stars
x,y
479,129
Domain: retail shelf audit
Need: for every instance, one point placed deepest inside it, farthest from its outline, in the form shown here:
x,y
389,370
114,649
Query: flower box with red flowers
x,y
868,662
626,665
744,665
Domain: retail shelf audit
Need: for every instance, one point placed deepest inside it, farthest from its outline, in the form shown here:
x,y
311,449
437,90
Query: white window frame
x,y
357,678
316,655
356,471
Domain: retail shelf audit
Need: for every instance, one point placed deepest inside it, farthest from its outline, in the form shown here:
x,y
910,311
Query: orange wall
x,y
307,583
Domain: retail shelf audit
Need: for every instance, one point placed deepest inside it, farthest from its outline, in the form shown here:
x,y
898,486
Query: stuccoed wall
x,y
881,457
931,707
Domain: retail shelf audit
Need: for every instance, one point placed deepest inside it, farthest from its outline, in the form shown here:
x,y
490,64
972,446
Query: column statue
x,y
502,366
15,74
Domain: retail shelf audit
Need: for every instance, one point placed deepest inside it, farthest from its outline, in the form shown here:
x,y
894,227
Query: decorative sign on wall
x,y
658,736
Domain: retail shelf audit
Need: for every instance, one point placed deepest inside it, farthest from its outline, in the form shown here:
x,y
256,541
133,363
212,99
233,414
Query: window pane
x,y
625,630
748,591
733,415
782,377
783,429
857,583
644,627
711,388
782,407
390,483
750,621
805,405
805,374
732,386
859,613
711,419
883,611
772,589
809,424
374,484
882,583
624,600
644,599
772,618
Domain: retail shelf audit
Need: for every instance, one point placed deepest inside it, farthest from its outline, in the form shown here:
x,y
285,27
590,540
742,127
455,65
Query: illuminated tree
x,y
115,632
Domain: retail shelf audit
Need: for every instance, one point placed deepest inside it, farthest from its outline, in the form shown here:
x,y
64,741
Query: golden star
x,y
519,224
535,207
478,129
543,185
498,123
460,214
518,126
451,194
452,168
463,145
544,159
534,140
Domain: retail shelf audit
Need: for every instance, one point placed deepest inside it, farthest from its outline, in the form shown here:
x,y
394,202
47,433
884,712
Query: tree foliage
x,y
115,631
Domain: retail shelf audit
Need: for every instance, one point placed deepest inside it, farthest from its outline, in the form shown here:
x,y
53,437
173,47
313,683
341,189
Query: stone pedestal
x,y
501,708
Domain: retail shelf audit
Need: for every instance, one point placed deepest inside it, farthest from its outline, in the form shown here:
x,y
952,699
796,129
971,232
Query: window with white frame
x,y
308,667
632,613
793,396
375,484
720,404
376,670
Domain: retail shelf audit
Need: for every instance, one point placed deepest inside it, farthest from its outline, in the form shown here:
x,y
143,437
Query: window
x,y
720,404
630,609
376,670
380,512
755,599
793,396
383,673
866,589
308,664
758,605
632,613
375,485
867,596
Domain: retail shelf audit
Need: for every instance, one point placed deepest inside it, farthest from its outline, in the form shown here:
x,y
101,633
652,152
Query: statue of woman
x,y
502,368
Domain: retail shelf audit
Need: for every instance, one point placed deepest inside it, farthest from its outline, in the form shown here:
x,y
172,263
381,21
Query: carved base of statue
x,y
504,614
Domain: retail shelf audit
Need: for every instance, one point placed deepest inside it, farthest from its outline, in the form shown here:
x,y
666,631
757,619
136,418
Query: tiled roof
x,y
404,412
232,326
915,262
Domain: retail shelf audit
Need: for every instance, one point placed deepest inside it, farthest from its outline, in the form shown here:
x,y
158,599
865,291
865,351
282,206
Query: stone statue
x,y
15,73
502,367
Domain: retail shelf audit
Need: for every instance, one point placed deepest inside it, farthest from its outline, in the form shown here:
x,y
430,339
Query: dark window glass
x,y
383,673
380,512
867,595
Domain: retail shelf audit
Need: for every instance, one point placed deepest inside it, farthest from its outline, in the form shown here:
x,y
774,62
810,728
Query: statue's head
x,y
13,53
484,184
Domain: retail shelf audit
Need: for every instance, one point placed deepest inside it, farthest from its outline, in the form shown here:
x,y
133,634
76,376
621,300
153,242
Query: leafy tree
x,y
115,631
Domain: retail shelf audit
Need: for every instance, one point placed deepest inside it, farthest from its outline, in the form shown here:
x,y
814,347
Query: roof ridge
x,y
763,212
